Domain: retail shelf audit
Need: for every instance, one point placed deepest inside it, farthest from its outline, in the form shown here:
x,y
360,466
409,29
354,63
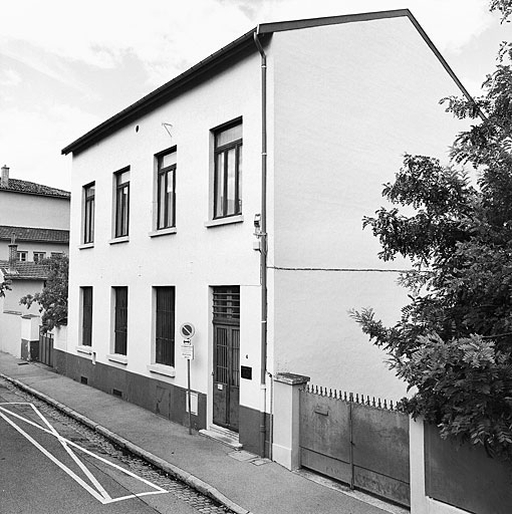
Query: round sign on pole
x,y
187,330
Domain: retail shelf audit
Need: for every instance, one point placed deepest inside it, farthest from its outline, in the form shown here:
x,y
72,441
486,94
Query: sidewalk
x,y
255,486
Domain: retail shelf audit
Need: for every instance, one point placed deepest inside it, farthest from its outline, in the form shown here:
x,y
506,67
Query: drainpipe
x,y
263,241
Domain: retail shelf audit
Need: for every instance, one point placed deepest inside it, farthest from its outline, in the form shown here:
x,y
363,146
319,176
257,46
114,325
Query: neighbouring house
x,y
263,254
34,224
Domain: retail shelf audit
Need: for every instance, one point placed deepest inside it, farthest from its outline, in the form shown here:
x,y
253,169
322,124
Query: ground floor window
x,y
120,320
86,316
164,325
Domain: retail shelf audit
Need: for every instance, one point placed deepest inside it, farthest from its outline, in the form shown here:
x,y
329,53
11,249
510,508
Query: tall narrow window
x,y
228,171
166,190
89,192
122,203
120,320
164,330
87,316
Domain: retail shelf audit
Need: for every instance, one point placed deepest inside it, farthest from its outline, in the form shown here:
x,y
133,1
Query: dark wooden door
x,y
226,357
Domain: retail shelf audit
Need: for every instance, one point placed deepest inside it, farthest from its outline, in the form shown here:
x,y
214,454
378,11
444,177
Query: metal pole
x,y
189,399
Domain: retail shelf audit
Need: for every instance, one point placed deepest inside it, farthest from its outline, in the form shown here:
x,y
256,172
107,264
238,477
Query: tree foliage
x,y
4,286
453,342
53,299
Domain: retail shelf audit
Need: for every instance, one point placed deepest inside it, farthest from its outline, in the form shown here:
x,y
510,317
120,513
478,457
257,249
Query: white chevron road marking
x,y
95,489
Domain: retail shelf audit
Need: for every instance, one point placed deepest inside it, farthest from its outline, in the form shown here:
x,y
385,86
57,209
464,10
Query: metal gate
x,y
46,348
226,356
356,440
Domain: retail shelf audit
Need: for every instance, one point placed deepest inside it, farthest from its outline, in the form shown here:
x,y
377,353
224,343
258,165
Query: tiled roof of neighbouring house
x,y
41,235
24,271
31,188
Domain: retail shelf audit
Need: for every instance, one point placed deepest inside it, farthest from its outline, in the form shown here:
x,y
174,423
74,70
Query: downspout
x,y
263,242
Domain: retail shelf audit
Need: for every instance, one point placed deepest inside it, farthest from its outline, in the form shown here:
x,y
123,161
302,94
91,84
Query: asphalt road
x,y
52,464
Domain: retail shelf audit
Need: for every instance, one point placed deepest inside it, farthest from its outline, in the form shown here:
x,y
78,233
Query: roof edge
x,y
123,117
281,26
152,100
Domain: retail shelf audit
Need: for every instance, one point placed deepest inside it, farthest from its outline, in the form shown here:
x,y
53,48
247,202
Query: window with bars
x,y
166,190
120,320
226,323
227,199
86,316
226,305
122,202
88,220
165,325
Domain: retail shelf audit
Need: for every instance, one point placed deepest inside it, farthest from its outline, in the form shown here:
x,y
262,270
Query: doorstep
x,y
222,435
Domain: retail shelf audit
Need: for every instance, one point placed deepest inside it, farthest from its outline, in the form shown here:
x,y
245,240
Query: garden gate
x,y
356,440
46,348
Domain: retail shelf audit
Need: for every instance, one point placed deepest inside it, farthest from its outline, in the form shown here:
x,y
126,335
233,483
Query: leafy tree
x,y
453,342
4,286
53,299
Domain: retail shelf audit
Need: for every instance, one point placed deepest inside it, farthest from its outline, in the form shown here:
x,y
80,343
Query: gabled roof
x,y
24,271
39,235
243,44
31,188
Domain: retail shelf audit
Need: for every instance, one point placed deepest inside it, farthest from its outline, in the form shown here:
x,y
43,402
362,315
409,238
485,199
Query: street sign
x,y
187,330
187,350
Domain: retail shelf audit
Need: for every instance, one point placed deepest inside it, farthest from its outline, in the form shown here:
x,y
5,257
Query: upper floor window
x,y
166,190
22,256
122,202
89,195
39,256
227,199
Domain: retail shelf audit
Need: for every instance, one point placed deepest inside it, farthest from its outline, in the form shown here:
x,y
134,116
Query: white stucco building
x,y
169,222
34,224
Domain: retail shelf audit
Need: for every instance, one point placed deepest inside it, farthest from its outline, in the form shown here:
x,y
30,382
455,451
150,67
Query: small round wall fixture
x,y
187,330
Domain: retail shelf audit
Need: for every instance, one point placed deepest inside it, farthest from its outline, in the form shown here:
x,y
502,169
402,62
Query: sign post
x,y
187,331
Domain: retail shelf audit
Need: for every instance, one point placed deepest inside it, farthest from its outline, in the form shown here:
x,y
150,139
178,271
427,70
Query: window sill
x,y
87,350
163,232
161,369
117,240
224,221
85,245
118,359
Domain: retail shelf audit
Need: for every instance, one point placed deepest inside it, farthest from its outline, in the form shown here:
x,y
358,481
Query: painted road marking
x,y
96,490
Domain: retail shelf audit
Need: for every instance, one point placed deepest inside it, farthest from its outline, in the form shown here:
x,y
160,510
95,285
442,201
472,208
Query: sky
x,y
65,66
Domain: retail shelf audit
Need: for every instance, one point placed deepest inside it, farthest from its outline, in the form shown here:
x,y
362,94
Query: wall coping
x,y
291,378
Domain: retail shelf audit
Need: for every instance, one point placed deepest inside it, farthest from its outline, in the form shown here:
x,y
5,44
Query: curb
x,y
194,482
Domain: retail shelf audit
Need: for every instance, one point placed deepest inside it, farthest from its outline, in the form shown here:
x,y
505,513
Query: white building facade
x,y
167,214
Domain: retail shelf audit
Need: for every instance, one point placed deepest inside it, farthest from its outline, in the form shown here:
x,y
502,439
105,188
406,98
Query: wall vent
x,y
84,380
117,392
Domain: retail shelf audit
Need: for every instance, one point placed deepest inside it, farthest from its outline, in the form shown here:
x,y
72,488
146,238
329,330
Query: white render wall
x,y
11,312
350,100
193,258
24,210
